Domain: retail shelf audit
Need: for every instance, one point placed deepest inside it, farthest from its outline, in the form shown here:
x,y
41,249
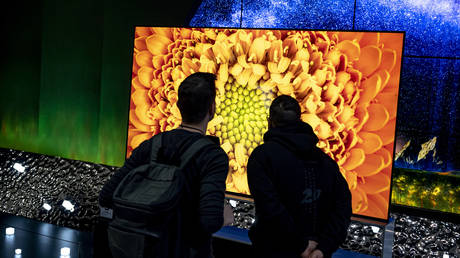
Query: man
x,y
303,204
203,206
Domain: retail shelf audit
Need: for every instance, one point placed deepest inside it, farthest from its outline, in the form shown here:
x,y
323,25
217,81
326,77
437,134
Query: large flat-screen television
x,y
345,82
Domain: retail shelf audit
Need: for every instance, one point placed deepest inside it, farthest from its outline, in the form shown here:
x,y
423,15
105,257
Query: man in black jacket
x,y
303,204
203,206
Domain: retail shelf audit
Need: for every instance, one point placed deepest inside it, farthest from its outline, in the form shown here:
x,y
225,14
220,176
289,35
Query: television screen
x,y
345,82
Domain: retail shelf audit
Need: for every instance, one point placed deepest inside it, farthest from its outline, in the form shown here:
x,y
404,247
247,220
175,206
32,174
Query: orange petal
x,y
393,41
175,111
285,88
372,165
167,32
140,97
227,147
385,194
145,75
386,154
346,114
136,84
258,49
369,60
370,38
381,202
358,200
378,117
158,44
388,59
186,33
351,139
351,178
223,72
387,133
362,114
158,62
348,35
355,158
342,78
385,76
239,154
331,94
157,83
131,133
144,58
283,64
320,76
243,77
139,43
370,142
135,65
137,123
138,139
141,113
302,55
390,148
349,48
376,208
387,171
393,83
371,87
376,184
390,101
143,31
236,69
334,57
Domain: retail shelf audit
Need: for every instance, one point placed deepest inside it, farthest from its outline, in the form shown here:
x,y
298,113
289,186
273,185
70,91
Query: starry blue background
x,y
429,101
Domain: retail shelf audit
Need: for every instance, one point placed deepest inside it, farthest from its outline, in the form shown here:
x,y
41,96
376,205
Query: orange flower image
x,y
346,83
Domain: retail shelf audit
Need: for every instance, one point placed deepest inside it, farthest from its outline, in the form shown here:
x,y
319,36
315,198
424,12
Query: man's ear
x,y
270,123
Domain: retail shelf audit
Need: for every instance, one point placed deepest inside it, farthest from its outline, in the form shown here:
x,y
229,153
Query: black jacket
x,y
206,174
299,193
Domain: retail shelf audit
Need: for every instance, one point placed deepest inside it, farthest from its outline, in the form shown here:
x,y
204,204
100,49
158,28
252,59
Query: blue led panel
x,y
302,14
217,14
429,106
432,26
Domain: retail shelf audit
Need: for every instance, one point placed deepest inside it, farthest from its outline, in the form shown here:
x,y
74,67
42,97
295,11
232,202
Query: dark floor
x,y
38,239
42,240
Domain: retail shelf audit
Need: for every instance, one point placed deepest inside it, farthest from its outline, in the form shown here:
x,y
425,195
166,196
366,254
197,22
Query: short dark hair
x,y
284,110
196,95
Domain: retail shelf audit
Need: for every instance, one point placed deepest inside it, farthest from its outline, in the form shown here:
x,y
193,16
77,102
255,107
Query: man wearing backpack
x,y
183,156
303,204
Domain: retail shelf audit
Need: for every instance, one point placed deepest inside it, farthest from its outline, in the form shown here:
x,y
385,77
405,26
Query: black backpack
x,y
146,214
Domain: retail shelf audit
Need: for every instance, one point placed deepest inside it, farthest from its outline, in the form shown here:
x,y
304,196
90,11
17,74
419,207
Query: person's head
x,y
196,97
284,110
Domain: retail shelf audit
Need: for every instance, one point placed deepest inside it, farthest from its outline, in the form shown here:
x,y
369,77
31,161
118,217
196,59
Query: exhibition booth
x,y
378,81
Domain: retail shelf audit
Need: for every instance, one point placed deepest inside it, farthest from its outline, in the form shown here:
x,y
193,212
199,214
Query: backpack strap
x,y
156,145
193,149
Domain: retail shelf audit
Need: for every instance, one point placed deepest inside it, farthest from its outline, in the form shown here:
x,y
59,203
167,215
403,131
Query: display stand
x,y
388,239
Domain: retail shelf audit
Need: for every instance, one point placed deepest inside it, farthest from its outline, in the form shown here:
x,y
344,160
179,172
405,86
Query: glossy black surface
x,y
53,180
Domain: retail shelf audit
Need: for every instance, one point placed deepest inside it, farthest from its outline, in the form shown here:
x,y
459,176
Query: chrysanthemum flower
x,y
345,82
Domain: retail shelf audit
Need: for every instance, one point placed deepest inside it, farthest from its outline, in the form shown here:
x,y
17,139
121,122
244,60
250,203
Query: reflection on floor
x,y
38,239
42,240
64,192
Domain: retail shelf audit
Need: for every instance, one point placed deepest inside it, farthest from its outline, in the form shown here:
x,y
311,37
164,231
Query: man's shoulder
x,y
213,151
261,152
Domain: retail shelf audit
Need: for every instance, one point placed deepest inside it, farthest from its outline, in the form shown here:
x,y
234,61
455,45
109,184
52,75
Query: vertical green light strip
x,y
70,85
20,76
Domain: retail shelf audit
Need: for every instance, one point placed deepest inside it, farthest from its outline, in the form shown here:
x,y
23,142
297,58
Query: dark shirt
x,y
205,177
299,194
